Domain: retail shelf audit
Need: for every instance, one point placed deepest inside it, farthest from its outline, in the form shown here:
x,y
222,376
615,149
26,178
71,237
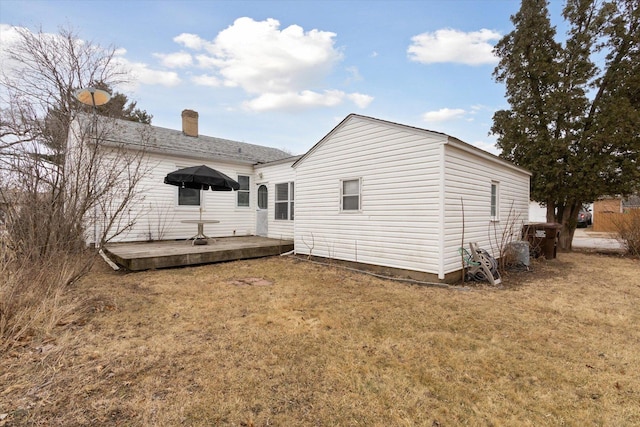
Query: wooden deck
x,y
148,255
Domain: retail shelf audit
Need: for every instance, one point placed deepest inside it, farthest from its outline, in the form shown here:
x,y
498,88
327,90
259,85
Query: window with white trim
x,y
350,195
284,201
495,201
243,192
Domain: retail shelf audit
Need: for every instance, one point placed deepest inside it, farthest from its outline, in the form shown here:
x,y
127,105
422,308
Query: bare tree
x,y
63,179
40,73
65,185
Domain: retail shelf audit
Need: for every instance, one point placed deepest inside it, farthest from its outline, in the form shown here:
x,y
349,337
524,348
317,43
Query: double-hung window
x,y
495,201
188,197
350,195
284,201
243,192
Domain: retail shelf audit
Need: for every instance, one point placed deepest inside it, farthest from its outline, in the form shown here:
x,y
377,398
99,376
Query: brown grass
x,y
314,345
32,295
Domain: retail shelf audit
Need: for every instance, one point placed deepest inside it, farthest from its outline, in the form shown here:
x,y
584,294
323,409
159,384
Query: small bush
x,y
628,228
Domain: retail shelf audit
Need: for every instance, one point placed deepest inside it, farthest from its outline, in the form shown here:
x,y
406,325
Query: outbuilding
x,y
404,199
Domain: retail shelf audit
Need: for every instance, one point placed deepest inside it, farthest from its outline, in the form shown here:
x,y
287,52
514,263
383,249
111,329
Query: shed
x,y
403,199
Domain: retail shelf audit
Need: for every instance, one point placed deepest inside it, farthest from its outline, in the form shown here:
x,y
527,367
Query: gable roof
x,y
175,142
448,140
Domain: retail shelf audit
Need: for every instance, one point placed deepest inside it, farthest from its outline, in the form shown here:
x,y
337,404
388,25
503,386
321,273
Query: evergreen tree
x,y
56,122
120,107
573,124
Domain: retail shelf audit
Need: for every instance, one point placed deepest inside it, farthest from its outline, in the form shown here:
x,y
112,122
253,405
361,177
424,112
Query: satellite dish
x,y
92,96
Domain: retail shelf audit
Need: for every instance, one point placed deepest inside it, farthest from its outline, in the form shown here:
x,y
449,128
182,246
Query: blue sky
x,y
284,73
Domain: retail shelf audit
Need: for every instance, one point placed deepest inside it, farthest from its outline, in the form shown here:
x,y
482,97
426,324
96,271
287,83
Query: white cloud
x,y
304,99
139,73
206,80
261,58
354,74
175,60
487,146
443,114
281,68
448,45
191,41
206,61
360,99
8,34
294,100
142,74
8,37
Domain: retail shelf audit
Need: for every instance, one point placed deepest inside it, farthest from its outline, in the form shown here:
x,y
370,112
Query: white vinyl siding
x,y
157,215
397,225
415,183
270,174
468,182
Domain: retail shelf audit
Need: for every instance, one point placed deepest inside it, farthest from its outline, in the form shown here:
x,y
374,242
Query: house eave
x,y
281,161
461,145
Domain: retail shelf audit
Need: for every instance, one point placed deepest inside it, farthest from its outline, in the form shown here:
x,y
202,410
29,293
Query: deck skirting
x,y
165,254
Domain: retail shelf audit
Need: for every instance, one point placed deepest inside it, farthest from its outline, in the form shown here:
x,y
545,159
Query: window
x,y
291,194
284,201
351,195
188,197
243,192
494,201
263,197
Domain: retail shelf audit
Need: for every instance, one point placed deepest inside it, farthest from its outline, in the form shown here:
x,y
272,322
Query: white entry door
x,y
262,214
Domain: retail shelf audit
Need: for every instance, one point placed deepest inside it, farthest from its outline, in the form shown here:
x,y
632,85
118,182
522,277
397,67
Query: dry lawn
x,y
315,345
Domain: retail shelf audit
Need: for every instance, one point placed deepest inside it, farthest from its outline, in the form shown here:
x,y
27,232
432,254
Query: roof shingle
x,y
170,141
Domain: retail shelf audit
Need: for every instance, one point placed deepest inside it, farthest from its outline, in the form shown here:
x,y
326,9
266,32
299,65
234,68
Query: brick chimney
x,y
190,122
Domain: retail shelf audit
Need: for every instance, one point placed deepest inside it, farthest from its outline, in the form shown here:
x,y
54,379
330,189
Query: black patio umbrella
x,y
201,178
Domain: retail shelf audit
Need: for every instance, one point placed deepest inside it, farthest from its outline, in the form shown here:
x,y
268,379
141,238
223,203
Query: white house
x,y
370,192
161,212
537,212
404,198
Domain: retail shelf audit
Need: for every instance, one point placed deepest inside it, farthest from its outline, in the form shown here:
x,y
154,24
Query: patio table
x,y
201,222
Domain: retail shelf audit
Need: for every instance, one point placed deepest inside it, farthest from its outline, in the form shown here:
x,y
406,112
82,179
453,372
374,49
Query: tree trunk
x,y
565,241
551,212
569,221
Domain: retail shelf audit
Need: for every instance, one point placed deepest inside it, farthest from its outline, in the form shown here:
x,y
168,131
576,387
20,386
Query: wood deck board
x,y
164,254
